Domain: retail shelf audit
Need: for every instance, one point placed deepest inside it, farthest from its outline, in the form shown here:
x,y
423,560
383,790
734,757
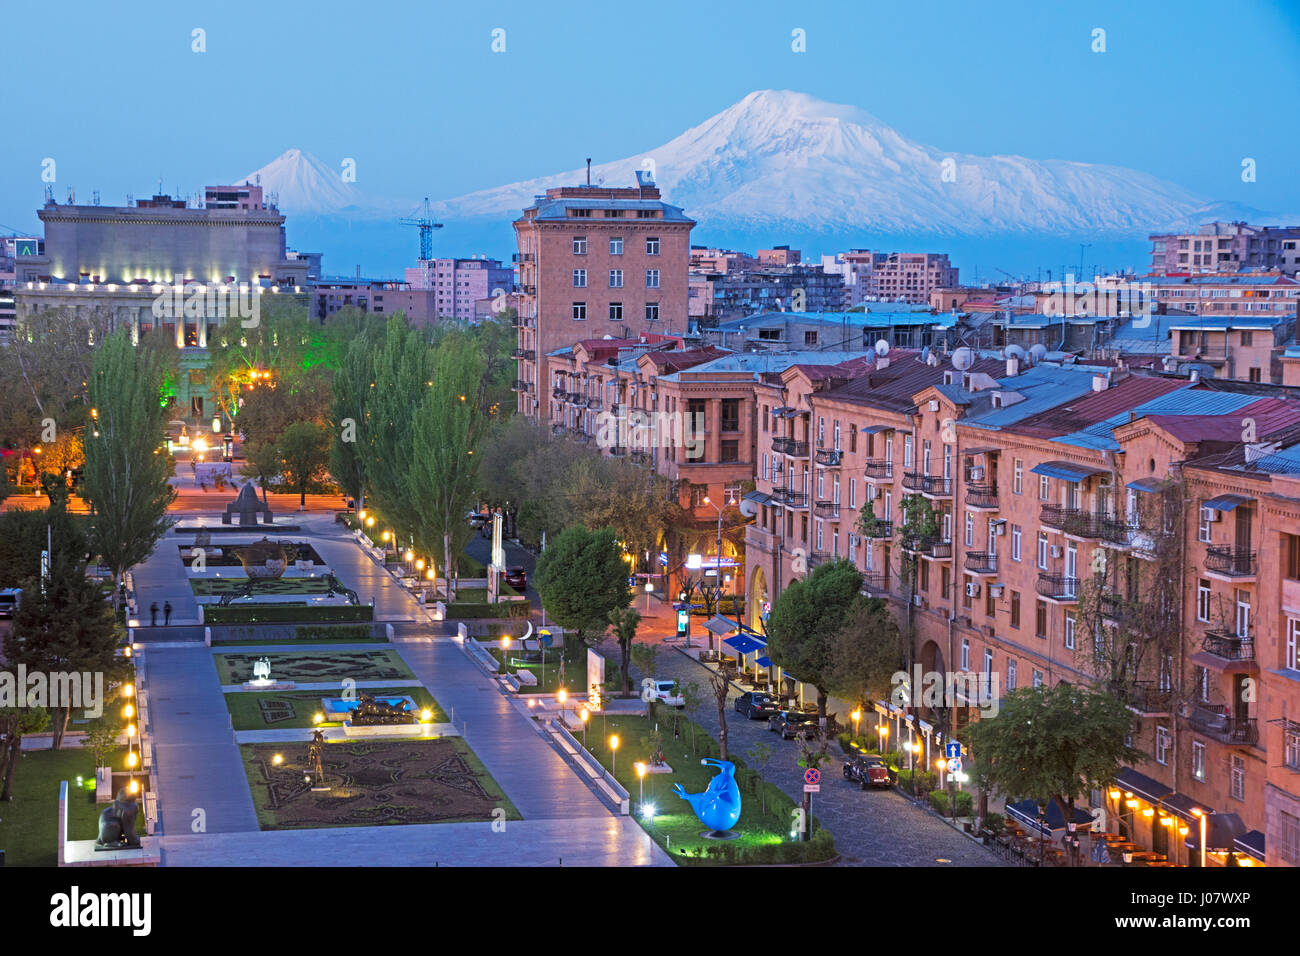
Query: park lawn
x,y
375,798
575,673
317,667
29,824
765,838
246,710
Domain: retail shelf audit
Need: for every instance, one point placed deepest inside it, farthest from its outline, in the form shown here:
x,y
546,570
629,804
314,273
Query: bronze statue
x,y
117,824
315,751
371,711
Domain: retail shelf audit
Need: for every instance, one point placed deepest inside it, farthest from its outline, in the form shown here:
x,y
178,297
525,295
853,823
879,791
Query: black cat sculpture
x,y
117,824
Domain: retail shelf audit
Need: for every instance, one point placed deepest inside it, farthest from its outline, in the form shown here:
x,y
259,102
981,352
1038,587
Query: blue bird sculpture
x,y
718,806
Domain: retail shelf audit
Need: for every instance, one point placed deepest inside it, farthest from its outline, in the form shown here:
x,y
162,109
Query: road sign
x,y
812,788
954,765
952,750
812,776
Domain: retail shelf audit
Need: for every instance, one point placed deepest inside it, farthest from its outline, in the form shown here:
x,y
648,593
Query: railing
x,y
981,562
790,446
559,392
641,457
594,404
1146,697
559,430
529,289
828,457
1116,607
819,557
1058,587
617,451
941,550
521,386
1229,646
878,529
576,398
522,257
878,468
827,509
928,484
794,499
528,355
982,494
525,322
1234,562
877,582
1214,722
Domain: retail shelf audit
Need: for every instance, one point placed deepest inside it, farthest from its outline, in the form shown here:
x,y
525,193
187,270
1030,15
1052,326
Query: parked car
x,y
665,691
755,704
869,770
517,577
11,600
477,519
794,723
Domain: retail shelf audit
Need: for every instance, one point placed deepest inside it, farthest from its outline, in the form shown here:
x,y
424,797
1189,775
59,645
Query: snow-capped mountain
x,y
779,160
303,184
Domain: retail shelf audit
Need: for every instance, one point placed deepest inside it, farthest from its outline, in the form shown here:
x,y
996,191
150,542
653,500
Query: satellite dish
x,y
748,508
882,347
925,355
962,359
870,355
1038,351
1015,352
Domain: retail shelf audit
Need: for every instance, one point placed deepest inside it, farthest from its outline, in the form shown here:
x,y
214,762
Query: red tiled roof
x,y
1096,407
892,388
1270,415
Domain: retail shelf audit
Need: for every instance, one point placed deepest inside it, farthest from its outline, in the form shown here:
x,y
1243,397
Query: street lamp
x,y
584,716
561,696
856,715
883,731
1201,816
505,651
640,775
613,750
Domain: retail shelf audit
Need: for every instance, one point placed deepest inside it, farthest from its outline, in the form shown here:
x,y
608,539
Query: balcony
x,y
1215,722
528,355
1118,609
576,398
878,469
525,322
932,486
981,562
878,529
1145,697
529,289
519,385
617,451
1058,587
1055,516
641,457
982,496
875,583
791,447
578,435
819,557
929,548
522,257
1229,646
594,404
828,457
1230,562
791,498
559,392
827,509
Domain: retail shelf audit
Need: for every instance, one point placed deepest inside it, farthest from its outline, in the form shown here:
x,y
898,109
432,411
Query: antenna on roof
x,y
962,359
882,347
588,170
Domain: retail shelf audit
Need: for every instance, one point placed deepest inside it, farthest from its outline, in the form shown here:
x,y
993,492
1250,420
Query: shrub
x,y
993,822
317,632
939,801
286,613
467,610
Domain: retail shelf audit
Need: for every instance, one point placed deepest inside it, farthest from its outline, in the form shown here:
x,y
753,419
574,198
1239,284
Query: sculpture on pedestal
x,y
117,824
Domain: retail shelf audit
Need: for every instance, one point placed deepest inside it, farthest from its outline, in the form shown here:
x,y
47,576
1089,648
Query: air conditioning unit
x,y
976,473
996,590
1209,514
972,589
999,527
934,404
1055,551
916,600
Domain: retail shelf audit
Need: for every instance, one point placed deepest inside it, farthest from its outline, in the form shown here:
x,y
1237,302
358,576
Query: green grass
x,y
575,672
765,838
284,667
29,824
246,713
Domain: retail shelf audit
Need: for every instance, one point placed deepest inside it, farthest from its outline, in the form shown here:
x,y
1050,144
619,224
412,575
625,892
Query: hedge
x,y
345,632
287,613
468,610
965,802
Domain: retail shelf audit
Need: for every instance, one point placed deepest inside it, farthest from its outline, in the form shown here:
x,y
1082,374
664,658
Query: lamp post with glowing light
x,y
561,696
584,716
1202,817
613,751
640,775
856,715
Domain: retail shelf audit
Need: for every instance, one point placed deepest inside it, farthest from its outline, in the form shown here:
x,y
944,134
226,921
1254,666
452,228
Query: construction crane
x,y
424,220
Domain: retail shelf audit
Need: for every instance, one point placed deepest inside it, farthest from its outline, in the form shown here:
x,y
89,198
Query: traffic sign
x,y
812,788
812,776
952,750
954,765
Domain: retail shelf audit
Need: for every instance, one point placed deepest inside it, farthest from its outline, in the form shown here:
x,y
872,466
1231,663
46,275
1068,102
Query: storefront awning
x,y
1149,485
1066,470
1222,831
1026,811
764,661
720,626
1152,791
1228,502
758,497
875,429
744,644
1252,844
1181,806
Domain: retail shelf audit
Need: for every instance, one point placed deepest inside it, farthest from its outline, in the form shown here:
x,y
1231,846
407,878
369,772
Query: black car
x,y
517,578
869,770
794,723
755,705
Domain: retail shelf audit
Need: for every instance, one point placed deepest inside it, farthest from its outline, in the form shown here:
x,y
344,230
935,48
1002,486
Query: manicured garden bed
x,y
287,613
289,710
216,587
319,666
764,838
373,782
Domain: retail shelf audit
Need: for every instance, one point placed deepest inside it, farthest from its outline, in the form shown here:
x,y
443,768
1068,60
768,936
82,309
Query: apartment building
x,y
1227,247
594,261
899,325
458,284
909,277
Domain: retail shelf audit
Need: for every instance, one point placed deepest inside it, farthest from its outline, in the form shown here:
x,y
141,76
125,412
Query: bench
x,y
526,677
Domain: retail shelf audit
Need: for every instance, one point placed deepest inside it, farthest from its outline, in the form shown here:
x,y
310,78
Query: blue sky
x,y
1184,91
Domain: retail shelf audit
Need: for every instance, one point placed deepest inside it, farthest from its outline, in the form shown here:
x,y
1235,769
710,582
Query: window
x,y
1237,778
1198,760
990,605
1042,550
730,450
580,278
1070,622
1011,673
616,311
616,246
652,311
1291,749
652,245
1291,551
1015,609
1018,479
1015,542
1291,656
1289,849
1243,613
731,414
970,529
616,278
579,310
1202,599
853,493
698,494
965,653
1037,678
988,664
1163,742
907,451
579,245
810,338
1207,517
1202,680
652,278
1040,619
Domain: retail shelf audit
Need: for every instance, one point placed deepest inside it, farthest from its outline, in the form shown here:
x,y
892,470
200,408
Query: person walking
x,y
153,614
167,613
